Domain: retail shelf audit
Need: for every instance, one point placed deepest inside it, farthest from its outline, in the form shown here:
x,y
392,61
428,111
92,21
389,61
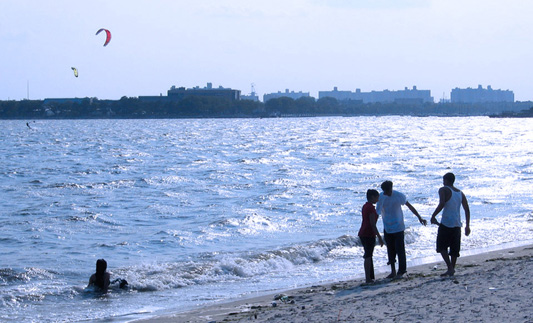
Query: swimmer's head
x,y
101,266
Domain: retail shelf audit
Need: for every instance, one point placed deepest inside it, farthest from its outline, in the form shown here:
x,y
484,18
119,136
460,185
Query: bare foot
x,y
368,282
448,273
400,274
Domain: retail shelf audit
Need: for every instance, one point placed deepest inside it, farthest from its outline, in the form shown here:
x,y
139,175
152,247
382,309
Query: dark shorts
x,y
368,245
449,238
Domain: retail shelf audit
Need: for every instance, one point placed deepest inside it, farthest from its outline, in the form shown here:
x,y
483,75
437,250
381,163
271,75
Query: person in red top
x,y
368,232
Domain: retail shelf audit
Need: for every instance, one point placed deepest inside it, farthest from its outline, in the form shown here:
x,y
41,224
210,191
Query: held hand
x,y
434,220
467,230
423,221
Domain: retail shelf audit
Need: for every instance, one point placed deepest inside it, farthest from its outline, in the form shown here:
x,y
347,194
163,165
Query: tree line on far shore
x,y
212,107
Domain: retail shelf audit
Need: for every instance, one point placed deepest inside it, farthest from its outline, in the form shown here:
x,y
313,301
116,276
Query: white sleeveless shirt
x,y
451,214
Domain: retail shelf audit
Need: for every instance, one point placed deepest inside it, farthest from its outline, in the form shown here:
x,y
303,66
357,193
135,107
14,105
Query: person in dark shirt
x,y
368,232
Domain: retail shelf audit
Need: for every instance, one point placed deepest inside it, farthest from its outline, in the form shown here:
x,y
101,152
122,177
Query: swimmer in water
x,y
100,279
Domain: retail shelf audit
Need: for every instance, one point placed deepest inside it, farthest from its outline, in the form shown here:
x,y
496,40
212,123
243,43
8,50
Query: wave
x,y
208,268
20,286
101,185
217,268
10,275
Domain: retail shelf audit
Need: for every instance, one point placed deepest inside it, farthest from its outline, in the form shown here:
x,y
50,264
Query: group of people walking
x,y
389,205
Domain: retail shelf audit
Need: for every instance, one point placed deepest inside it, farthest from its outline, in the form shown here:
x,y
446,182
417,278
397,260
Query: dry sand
x,y
488,287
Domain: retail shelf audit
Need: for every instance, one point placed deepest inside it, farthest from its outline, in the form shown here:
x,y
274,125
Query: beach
x,y
487,287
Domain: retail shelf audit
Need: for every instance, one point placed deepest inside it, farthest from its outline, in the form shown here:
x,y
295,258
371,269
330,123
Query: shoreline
x,y
481,285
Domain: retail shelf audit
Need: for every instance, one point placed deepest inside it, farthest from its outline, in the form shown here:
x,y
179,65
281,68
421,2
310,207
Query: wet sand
x,y
487,287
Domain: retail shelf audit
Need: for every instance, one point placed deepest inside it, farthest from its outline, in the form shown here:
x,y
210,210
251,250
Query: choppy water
x,y
196,211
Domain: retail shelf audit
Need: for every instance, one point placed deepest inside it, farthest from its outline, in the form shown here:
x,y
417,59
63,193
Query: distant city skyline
x,y
405,96
302,45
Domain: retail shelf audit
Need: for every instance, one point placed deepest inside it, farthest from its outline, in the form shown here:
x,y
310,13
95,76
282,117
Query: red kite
x,y
108,38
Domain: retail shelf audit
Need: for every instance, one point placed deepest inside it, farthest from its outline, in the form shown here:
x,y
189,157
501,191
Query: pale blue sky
x,y
302,45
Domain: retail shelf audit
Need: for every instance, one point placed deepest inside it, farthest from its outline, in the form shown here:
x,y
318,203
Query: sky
x,y
300,45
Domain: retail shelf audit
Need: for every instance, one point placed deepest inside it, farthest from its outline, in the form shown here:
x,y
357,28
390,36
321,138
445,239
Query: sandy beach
x,y
488,287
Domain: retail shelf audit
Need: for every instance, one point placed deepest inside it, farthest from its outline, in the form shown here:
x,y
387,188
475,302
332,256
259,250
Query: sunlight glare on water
x,y
195,211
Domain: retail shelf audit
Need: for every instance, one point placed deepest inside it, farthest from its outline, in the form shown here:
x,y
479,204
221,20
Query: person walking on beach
x,y
368,232
389,207
449,233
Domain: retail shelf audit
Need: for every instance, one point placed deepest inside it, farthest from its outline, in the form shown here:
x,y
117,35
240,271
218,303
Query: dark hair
x,y
101,266
386,186
371,193
449,177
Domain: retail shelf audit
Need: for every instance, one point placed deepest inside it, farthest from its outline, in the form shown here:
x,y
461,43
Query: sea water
x,y
192,212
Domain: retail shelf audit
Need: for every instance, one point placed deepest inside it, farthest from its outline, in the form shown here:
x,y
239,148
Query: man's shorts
x,y
368,245
449,238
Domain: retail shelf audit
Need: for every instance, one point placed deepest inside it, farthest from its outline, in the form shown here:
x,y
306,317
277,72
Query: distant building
x,y
287,94
340,95
406,96
220,92
253,95
154,98
178,94
481,95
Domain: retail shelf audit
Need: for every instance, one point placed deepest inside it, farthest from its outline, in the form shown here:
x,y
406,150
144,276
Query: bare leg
x,y
392,270
453,260
449,263
372,270
369,270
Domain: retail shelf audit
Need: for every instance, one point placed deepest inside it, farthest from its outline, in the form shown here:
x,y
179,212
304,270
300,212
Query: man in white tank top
x,y
449,234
